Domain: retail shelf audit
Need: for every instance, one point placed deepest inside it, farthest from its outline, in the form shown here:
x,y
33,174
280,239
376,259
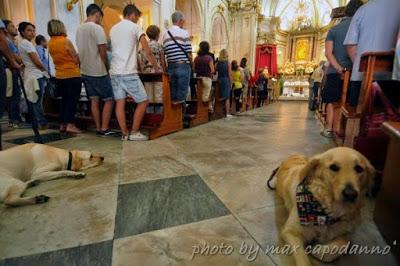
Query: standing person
x,y
374,27
178,51
69,82
14,113
34,72
339,60
224,79
204,68
316,78
92,48
154,90
246,78
125,37
41,48
237,78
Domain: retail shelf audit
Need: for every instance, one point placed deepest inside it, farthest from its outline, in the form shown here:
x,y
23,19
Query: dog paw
x,y
80,175
41,199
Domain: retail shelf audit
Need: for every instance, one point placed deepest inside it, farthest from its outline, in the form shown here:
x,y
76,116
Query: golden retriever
x,y
339,180
27,165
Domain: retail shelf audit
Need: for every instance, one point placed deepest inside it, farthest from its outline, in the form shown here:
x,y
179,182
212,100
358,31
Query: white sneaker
x,y
125,138
137,136
328,133
229,116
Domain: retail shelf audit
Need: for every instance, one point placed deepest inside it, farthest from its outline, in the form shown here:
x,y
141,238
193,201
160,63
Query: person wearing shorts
x,y
125,37
92,47
339,60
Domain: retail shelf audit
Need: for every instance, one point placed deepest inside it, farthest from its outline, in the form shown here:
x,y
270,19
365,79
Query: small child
x,y
41,48
154,89
237,78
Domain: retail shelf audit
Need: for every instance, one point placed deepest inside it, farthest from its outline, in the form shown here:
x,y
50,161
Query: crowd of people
x,y
109,70
368,27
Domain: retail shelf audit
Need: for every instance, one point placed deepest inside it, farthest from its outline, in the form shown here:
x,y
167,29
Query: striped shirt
x,y
172,51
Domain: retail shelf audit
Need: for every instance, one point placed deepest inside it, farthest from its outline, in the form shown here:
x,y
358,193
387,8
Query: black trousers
x,y
69,90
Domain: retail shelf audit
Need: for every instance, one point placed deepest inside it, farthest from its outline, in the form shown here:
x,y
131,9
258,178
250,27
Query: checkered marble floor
x,y
196,197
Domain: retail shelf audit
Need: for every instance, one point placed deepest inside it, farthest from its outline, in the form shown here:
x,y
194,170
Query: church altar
x,y
295,88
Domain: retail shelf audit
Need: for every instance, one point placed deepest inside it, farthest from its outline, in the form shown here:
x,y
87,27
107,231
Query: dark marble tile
x,y
153,205
98,254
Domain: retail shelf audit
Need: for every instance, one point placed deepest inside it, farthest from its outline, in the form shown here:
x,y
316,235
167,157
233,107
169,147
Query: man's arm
x,y
149,54
5,50
352,51
331,58
36,61
103,54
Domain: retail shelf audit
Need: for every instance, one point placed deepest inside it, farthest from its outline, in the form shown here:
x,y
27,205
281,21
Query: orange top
x,y
62,59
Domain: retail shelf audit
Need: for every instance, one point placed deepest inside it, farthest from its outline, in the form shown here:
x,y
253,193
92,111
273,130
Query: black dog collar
x,y
69,165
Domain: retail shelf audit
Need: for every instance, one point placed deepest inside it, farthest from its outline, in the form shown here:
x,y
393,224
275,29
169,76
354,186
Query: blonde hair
x,y
56,27
223,55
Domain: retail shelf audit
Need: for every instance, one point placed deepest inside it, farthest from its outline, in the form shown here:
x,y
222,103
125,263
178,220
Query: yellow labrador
x,y
323,195
27,165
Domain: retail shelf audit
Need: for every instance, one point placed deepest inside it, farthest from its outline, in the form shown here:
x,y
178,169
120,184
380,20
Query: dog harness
x,y
309,209
69,165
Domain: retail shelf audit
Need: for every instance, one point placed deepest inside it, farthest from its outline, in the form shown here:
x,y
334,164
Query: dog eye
x,y
91,156
358,169
334,168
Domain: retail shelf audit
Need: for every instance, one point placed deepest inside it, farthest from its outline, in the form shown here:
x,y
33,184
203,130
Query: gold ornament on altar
x,y
70,4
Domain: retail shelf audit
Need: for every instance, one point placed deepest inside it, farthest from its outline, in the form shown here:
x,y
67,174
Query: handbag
x,y
372,142
51,83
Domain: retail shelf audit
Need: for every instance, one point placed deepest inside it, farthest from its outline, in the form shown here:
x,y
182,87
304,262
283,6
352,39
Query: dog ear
x,y
309,169
370,176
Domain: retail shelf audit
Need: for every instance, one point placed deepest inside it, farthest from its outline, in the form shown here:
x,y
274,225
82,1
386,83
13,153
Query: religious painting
x,y
302,49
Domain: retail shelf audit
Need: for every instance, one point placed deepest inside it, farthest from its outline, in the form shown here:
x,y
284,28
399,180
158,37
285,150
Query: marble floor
x,y
197,197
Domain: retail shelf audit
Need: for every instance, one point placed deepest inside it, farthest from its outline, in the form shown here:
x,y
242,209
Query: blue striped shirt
x,y
172,51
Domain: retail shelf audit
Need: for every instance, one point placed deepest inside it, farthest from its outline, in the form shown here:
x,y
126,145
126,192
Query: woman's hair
x,y
223,55
22,27
55,27
352,7
243,62
204,48
6,22
235,65
153,32
39,39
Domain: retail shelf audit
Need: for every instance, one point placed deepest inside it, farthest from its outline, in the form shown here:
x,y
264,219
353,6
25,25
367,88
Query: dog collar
x,y
69,165
309,209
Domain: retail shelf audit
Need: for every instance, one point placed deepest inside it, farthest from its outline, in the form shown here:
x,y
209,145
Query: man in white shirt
x,y
125,37
91,42
179,57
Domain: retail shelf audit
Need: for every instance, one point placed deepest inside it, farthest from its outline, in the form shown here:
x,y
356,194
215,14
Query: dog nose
x,y
349,193
101,158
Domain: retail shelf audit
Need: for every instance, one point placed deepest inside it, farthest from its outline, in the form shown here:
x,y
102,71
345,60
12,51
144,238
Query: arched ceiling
x,y
316,11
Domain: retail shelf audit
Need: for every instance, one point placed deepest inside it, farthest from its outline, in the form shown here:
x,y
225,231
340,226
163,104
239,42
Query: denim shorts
x,y
131,85
98,87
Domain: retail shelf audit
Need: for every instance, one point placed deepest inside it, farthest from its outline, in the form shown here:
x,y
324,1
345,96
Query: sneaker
x,y
105,133
229,116
328,133
177,102
137,137
125,138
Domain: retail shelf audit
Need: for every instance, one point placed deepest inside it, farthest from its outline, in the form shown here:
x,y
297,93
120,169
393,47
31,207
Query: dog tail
x,y
272,177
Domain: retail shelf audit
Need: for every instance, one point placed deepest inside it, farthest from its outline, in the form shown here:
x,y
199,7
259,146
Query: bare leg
x,y
329,116
120,113
227,106
95,107
106,115
14,198
138,116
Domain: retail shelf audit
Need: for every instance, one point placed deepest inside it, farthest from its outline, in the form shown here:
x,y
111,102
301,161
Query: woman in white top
x,y
34,72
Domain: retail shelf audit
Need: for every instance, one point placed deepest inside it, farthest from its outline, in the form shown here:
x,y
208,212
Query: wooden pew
x,y
197,111
387,207
370,63
341,119
219,103
172,114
